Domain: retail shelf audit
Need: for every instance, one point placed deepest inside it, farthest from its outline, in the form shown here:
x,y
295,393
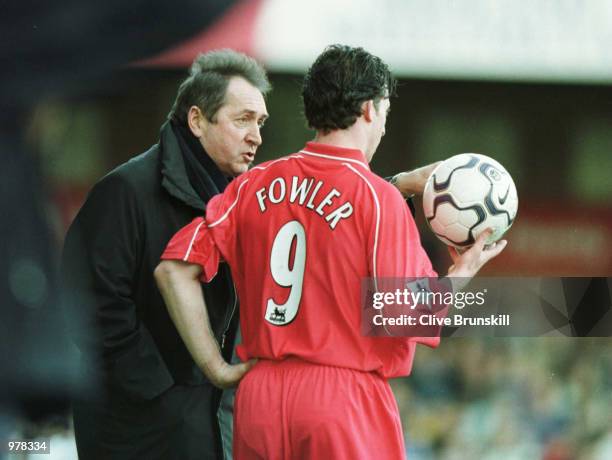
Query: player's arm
x,y
465,266
400,254
192,256
413,182
179,284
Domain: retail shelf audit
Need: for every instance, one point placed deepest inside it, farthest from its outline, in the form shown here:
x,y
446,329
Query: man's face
x,y
232,140
379,121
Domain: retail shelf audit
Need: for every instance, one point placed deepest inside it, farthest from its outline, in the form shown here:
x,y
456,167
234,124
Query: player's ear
x,y
367,109
196,121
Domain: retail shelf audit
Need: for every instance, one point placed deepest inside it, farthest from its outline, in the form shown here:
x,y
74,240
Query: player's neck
x,y
351,138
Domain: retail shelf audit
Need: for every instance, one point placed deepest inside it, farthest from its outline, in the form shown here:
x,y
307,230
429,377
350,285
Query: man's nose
x,y
254,136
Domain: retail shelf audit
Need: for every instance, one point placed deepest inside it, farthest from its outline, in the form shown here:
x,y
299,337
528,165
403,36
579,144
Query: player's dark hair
x,y
339,82
208,79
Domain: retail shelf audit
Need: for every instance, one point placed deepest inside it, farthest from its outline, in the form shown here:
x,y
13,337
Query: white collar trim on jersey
x,y
331,157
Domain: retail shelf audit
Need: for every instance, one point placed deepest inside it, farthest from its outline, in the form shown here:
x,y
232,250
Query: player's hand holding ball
x,y
468,263
470,201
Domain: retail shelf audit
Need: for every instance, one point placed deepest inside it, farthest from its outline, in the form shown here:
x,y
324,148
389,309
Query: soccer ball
x,y
466,194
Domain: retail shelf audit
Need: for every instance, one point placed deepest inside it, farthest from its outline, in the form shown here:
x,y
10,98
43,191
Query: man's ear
x,y
196,121
368,109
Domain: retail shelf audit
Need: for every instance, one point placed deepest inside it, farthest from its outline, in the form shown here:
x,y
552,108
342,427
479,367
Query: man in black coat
x,y
150,400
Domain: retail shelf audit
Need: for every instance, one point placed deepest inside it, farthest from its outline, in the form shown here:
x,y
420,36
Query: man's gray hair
x,y
208,79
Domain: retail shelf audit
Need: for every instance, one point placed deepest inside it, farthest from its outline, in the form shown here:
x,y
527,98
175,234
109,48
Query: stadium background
x,y
550,126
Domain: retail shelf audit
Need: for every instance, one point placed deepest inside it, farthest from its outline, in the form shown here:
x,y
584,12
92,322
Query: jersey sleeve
x,y
209,240
396,249
194,244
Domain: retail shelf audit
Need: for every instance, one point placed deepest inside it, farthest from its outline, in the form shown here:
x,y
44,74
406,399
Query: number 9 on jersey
x,y
286,275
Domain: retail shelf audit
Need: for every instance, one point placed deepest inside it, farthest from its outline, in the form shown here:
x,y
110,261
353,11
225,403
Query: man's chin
x,y
241,168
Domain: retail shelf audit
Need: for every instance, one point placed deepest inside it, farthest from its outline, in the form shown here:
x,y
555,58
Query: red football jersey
x,y
300,234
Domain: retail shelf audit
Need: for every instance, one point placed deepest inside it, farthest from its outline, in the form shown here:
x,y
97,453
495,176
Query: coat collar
x,y
174,174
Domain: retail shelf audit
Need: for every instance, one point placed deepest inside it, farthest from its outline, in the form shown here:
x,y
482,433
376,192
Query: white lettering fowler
x,y
281,195
261,195
341,212
327,201
310,204
304,190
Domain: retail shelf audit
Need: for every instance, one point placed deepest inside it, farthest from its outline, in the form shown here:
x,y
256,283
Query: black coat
x,y
126,335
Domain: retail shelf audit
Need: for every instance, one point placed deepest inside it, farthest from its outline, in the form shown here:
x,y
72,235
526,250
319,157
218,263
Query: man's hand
x,y
413,182
179,284
466,265
225,375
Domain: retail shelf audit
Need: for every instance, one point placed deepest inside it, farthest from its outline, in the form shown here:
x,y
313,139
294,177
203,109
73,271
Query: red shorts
x,y
296,410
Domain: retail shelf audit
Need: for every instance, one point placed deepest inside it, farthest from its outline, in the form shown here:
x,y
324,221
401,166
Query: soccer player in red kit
x,y
300,234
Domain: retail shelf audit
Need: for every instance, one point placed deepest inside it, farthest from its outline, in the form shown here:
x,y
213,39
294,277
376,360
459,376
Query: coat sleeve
x,y
99,263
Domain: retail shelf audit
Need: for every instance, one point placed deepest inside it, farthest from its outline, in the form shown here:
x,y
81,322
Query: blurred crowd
x,y
522,398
